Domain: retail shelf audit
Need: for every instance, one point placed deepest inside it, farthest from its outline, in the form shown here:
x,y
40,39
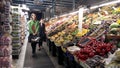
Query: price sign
x,y
80,19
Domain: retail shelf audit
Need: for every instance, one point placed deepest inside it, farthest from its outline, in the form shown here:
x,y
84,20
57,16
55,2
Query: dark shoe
x,y
39,49
34,55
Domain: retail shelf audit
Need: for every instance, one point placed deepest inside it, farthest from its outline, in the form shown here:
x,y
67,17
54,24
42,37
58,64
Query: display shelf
x,y
99,26
5,38
16,33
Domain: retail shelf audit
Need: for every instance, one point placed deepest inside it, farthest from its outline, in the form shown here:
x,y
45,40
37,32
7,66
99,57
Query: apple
x,y
91,54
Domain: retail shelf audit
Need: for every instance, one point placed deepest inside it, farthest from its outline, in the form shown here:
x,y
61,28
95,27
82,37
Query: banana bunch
x,y
116,11
59,34
59,40
52,38
69,37
118,21
84,31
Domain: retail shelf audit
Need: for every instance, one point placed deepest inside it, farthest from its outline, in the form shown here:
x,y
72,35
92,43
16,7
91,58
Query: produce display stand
x,y
59,53
69,61
98,29
56,51
5,34
53,48
49,44
16,33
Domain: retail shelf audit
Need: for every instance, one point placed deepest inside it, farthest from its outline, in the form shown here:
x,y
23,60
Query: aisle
x,y
41,61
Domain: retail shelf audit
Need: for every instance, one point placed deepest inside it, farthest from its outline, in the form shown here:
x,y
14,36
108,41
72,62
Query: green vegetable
x,y
114,30
114,25
75,32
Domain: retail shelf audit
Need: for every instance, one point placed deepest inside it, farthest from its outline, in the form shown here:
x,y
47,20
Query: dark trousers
x,y
41,41
33,45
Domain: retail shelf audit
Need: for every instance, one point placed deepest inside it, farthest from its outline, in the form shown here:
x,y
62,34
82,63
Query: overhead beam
x,y
18,2
28,1
63,2
30,4
40,8
36,6
44,3
67,1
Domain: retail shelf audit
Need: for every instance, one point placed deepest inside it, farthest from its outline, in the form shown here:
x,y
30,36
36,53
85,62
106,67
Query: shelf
x,y
14,42
16,52
16,47
15,35
5,61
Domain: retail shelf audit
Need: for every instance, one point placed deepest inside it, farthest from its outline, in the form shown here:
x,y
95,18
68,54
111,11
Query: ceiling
x,y
45,3
60,3
59,6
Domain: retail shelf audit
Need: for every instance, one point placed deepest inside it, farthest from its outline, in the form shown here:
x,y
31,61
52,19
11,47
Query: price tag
x,y
80,18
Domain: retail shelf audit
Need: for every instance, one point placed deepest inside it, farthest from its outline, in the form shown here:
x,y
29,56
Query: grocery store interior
x,y
78,34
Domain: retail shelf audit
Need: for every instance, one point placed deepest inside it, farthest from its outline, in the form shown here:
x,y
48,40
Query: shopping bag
x,y
33,38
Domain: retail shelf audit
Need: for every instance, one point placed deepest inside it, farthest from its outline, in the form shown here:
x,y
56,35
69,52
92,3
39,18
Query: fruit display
x,y
5,51
66,36
102,13
5,37
93,48
96,27
67,31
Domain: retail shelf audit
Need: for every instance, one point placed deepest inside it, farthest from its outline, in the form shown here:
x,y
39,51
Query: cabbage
x,y
114,30
114,25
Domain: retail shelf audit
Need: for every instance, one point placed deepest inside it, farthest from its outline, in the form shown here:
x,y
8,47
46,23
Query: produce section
x,y
96,45
98,40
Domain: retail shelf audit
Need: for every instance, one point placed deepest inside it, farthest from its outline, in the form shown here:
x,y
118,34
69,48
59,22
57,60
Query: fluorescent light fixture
x,y
113,2
105,4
